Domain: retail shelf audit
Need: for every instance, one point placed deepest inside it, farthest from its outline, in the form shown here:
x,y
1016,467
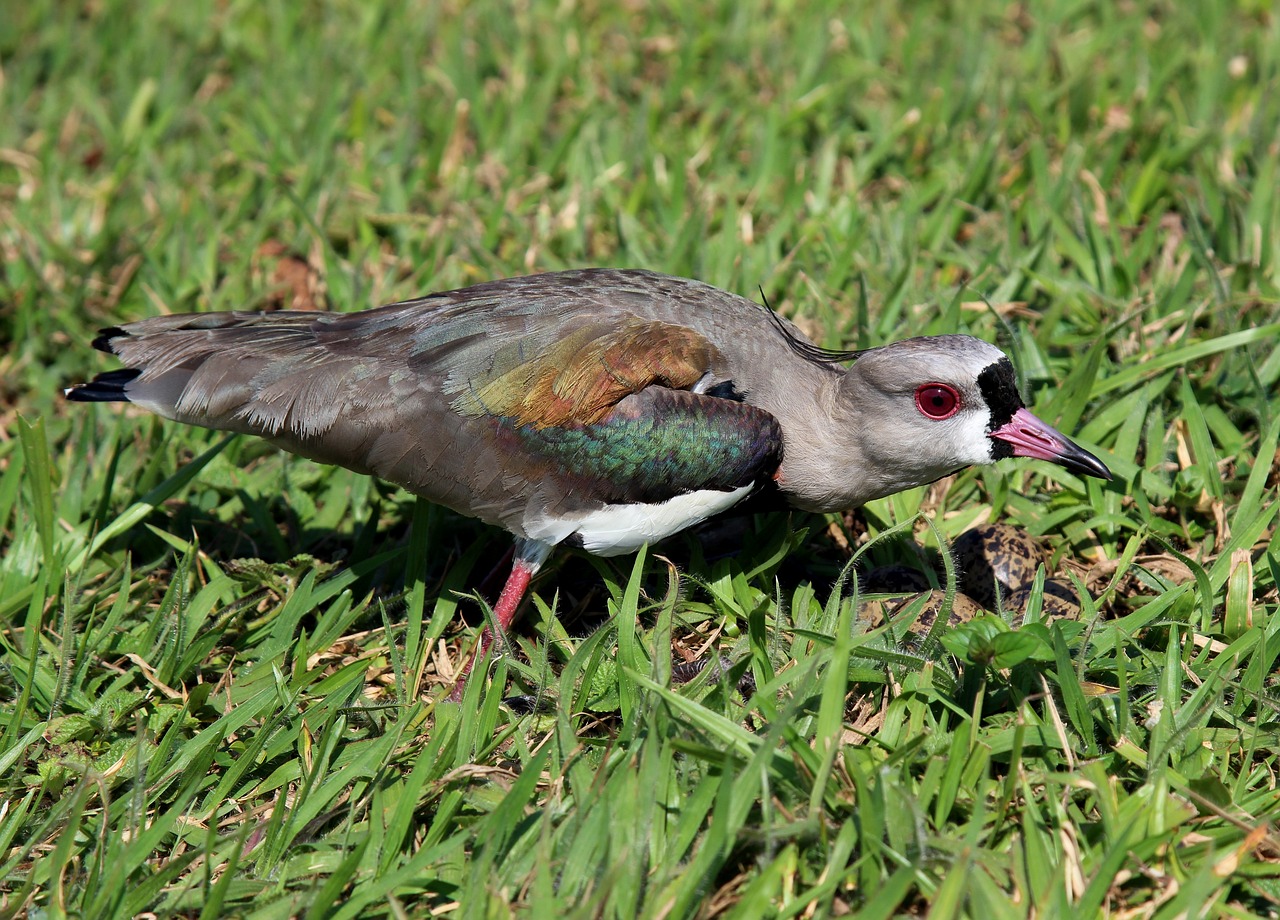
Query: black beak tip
x,y
1082,462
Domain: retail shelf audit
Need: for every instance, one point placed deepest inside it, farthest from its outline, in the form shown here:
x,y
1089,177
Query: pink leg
x,y
504,612
529,557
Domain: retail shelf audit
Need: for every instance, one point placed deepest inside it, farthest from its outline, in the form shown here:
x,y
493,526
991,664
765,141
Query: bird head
x,y
932,405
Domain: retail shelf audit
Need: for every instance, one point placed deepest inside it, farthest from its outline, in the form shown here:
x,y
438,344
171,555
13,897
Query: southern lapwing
x,y
602,409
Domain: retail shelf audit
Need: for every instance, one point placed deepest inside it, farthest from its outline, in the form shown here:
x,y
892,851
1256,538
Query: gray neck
x,y
825,461
856,442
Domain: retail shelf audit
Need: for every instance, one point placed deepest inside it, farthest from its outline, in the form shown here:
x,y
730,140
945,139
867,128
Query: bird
x,y
603,409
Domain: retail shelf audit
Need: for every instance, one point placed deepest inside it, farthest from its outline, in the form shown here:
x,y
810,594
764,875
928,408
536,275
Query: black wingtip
x,y
103,341
108,387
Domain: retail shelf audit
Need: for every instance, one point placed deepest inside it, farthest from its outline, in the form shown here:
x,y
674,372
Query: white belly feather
x,y
617,529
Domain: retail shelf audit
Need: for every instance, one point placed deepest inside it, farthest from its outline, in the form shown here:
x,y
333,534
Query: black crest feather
x,y
802,346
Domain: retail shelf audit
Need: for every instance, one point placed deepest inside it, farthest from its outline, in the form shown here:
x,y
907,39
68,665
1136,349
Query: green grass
x,y
218,690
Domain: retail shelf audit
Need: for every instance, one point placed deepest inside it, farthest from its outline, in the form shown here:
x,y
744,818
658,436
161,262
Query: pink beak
x,y
1030,437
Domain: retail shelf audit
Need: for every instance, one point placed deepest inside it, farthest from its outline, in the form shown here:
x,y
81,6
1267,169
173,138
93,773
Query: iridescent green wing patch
x,y
654,445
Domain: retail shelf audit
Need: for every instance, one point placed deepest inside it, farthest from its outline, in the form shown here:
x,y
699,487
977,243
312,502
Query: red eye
x,y
937,401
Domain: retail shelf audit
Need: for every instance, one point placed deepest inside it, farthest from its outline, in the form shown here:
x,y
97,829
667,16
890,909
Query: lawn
x,y
223,670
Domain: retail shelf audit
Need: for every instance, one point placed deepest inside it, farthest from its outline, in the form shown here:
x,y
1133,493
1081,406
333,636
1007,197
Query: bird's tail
x,y
108,386
259,373
164,353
